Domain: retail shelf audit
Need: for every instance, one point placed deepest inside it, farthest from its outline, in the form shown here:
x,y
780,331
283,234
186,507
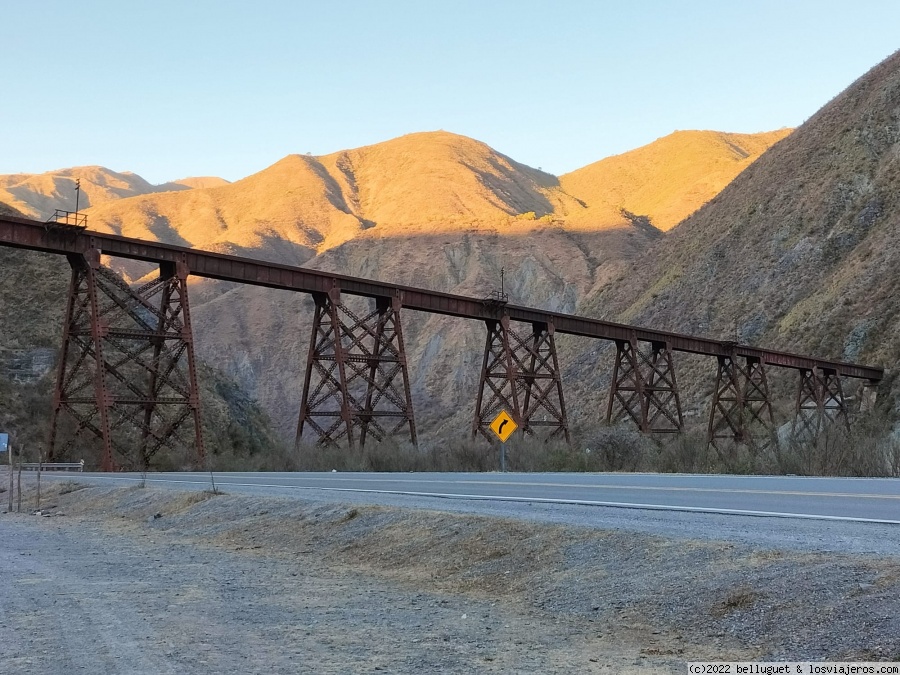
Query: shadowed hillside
x,y
801,251
261,336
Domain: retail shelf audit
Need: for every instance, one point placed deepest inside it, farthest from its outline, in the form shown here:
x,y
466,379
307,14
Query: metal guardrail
x,y
54,466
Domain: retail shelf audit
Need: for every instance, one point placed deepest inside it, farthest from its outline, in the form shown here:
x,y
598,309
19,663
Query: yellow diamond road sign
x,y
503,426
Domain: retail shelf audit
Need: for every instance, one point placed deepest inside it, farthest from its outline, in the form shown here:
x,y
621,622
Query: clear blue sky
x,y
172,88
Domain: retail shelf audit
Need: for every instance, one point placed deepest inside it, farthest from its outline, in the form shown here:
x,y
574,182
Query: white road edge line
x,y
539,500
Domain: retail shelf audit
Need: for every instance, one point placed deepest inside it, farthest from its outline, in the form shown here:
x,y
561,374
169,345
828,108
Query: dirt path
x,y
237,584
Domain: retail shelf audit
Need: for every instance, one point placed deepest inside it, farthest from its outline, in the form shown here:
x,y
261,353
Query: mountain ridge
x,y
39,195
421,183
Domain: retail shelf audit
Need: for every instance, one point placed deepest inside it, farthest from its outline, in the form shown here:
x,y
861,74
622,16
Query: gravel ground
x,y
141,580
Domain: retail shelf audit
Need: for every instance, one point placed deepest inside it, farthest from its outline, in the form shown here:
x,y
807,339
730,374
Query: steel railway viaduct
x,y
127,376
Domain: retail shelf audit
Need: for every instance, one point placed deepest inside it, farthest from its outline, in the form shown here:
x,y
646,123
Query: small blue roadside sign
x,y
4,442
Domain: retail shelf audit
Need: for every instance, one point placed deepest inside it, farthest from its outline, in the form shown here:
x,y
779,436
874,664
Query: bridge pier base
x,y
644,388
868,397
357,382
126,374
521,375
741,410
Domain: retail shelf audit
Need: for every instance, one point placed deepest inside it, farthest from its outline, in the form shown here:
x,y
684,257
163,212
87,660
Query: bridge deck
x,y
36,236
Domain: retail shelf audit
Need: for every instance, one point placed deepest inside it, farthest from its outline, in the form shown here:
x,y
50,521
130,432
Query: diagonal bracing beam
x,y
499,386
820,404
544,406
388,408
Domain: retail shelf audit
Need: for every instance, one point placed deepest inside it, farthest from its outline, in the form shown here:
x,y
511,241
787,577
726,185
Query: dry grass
x,y
741,598
868,450
69,487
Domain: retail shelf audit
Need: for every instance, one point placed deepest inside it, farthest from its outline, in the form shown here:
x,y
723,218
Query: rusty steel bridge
x,y
127,375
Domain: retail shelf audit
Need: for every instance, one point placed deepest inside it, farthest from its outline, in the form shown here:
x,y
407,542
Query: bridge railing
x,y
68,219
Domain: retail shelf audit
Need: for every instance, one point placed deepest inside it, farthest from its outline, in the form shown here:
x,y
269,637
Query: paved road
x,y
865,500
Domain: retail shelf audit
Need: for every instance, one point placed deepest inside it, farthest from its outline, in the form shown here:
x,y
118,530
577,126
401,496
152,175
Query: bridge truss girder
x,y
520,374
644,388
741,408
356,384
126,375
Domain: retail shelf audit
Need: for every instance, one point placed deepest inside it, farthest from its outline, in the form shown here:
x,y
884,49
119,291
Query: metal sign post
x,y
37,499
4,447
503,426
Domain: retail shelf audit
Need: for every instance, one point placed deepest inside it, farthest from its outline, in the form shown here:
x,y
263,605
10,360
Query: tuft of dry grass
x,y
69,486
741,598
